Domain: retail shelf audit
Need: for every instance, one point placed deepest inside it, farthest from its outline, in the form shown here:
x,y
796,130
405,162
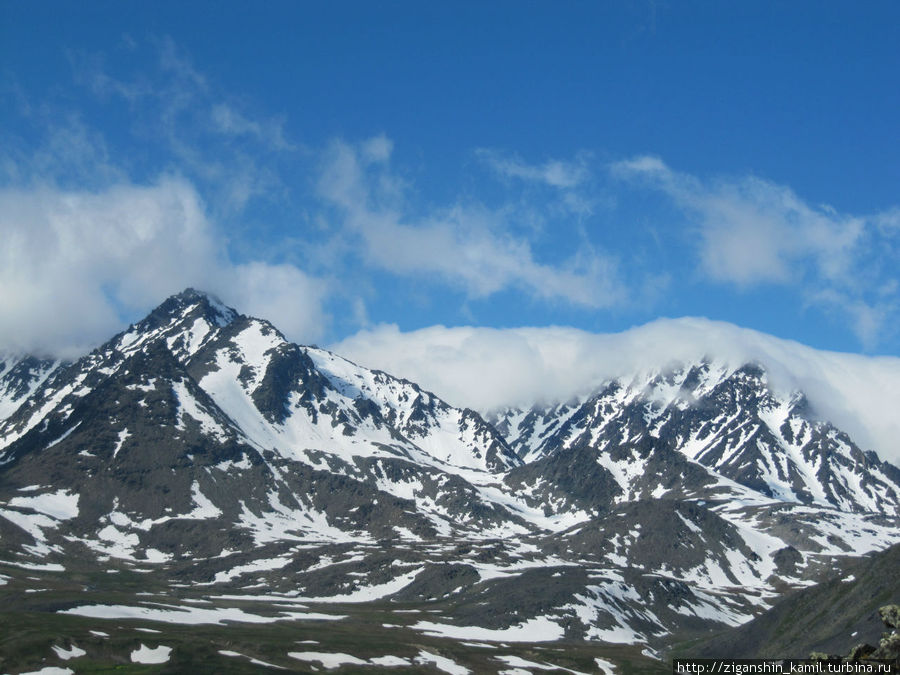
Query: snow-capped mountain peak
x,y
187,319
668,500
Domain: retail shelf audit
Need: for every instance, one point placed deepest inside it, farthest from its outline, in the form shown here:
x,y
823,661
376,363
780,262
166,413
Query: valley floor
x,y
84,622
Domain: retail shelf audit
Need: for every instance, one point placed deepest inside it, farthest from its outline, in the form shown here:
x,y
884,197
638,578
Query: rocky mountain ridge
x,y
202,447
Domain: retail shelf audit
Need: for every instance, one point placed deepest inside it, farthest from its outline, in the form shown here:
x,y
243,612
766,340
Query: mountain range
x,y
200,468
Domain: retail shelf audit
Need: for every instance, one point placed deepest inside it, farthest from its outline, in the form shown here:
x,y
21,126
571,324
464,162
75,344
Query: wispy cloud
x,y
554,173
752,232
209,135
467,245
568,178
69,152
230,121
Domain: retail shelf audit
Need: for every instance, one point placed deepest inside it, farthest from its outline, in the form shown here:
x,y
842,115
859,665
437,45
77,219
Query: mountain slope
x,y
201,447
20,377
729,421
195,389
830,617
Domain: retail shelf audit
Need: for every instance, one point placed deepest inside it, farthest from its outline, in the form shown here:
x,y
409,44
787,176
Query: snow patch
x,y
147,655
442,663
606,667
72,653
188,405
519,662
256,662
538,629
328,661
60,505
191,615
123,436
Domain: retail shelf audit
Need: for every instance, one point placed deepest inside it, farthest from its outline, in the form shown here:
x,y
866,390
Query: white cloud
x,y
230,121
554,173
377,149
87,244
752,232
488,369
469,246
283,294
74,263
567,178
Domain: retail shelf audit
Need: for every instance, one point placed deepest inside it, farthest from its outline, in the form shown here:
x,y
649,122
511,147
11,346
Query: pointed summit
x,y
190,302
186,320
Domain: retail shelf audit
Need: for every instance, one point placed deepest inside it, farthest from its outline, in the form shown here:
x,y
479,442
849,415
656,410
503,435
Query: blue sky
x,y
337,167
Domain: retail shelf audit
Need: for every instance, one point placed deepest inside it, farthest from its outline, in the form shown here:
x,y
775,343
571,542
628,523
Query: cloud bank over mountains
x,y
489,369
